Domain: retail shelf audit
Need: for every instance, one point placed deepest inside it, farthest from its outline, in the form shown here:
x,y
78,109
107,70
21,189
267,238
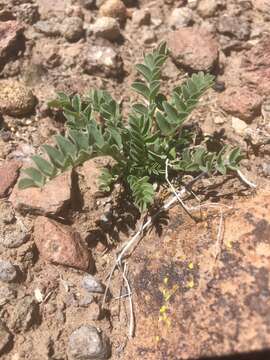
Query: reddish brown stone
x,y
255,67
217,293
9,34
60,244
262,5
193,48
53,198
240,102
9,173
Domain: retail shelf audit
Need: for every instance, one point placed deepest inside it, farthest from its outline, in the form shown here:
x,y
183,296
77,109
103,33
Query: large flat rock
x,y
197,297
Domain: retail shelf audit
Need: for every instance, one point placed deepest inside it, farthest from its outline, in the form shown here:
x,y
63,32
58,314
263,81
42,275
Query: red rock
x,y
193,48
9,173
9,35
53,198
255,67
60,244
240,102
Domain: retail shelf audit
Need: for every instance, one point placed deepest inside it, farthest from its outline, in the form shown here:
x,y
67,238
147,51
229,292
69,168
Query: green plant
x,y
154,133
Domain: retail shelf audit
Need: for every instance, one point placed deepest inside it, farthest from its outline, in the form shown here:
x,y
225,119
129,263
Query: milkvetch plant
x,y
153,134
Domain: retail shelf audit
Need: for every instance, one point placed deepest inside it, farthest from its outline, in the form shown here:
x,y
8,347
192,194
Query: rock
x,y
207,8
239,126
115,9
84,302
87,4
86,343
213,287
91,171
100,2
8,272
7,213
193,4
6,295
60,244
13,235
102,60
52,8
5,338
141,17
234,26
45,54
92,285
24,315
52,199
10,39
93,311
255,67
4,147
240,102
76,11
9,172
193,48
149,37
227,44
27,13
266,110
180,17
50,27
263,6
15,98
72,28
266,169
107,28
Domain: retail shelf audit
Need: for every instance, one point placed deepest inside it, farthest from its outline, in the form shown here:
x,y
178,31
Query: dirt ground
x,y
50,46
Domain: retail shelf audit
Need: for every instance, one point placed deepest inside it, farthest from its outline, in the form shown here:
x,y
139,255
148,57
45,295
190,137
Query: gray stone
x,y
180,17
233,26
86,343
5,337
7,213
6,294
72,28
8,272
24,315
27,13
107,28
49,27
12,236
101,60
91,284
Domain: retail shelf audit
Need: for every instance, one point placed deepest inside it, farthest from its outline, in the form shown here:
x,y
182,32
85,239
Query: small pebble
x,y
91,284
8,272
